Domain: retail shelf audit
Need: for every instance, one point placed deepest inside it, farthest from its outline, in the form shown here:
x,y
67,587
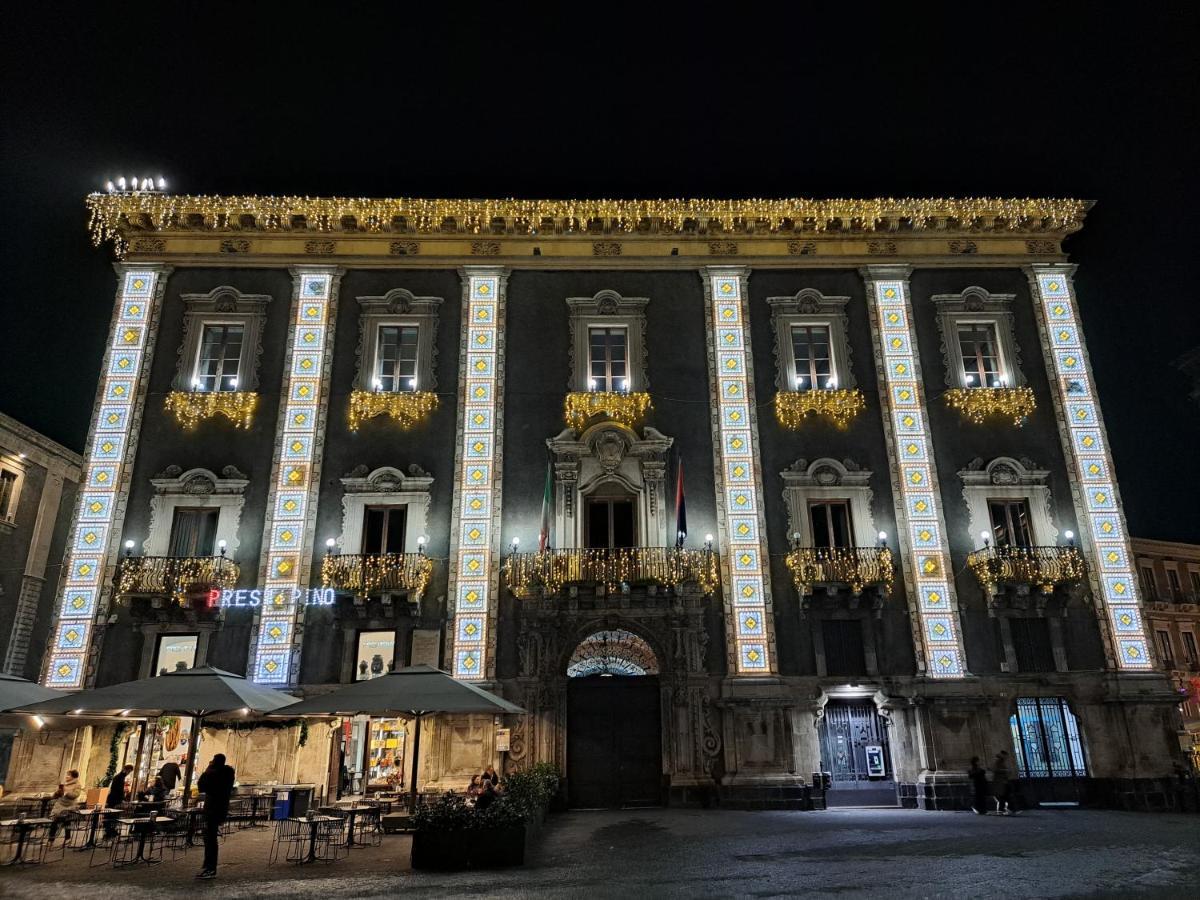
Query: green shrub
x,y
524,795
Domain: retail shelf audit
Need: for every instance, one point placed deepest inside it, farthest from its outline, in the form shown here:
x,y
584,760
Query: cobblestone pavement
x,y
693,853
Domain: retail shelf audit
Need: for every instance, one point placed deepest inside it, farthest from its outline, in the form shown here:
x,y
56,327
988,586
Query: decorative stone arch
x,y
612,651
198,487
609,452
222,305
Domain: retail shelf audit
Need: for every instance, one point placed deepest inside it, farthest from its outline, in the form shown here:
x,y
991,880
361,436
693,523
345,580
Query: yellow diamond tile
x,y
472,596
90,537
473,565
1126,619
477,475
901,368
730,338
480,392
290,505
72,635
752,656
739,471
736,443
476,503
284,567
481,339
135,310
470,628
743,529
312,312
1088,441
1119,587
745,559
1107,527
286,535
735,416
935,598
102,477
920,506
482,315
139,284
78,603
893,318
740,499
905,394
1133,653
945,661
889,293
468,662
484,290
123,362
271,665
912,449
916,478
478,446
107,446
276,632
119,390
1101,497
304,390
1113,556
306,363
751,622
1093,469
480,365
85,569
747,591
64,670
474,533
113,418
297,446
939,629
479,418
1054,286
924,534
731,364
96,506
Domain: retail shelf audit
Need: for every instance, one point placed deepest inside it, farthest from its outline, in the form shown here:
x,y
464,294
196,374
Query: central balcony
x,y
182,578
1026,567
615,569
370,574
855,568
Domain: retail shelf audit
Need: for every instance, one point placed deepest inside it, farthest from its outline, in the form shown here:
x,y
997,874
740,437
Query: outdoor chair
x,y
332,840
367,828
174,834
106,836
138,842
290,841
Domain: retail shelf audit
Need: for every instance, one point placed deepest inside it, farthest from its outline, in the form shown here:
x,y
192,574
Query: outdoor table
x,y
255,800
312,834
95,815
193,814
23,827
351,812
142,833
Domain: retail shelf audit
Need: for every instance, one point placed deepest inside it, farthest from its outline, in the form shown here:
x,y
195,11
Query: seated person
x,y
66,802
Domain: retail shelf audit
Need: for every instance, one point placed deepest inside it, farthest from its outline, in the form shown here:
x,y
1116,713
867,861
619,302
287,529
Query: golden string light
x,y
839,404
856,567
193,407
115,216
408,408
175,576
626,408
368,573
667,566
1041,566
978,404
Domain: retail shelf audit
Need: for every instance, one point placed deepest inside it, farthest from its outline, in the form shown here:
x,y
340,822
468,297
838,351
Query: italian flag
x,y
547,501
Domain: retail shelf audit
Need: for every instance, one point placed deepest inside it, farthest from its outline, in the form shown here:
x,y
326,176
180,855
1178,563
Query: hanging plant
x,y
114,749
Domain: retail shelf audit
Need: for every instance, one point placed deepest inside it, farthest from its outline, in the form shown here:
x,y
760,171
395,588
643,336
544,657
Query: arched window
x,y
612,653
1046,737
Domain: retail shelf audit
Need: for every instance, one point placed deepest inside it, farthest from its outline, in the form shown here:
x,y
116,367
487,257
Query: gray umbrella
x,y
15,692
414,692
199,692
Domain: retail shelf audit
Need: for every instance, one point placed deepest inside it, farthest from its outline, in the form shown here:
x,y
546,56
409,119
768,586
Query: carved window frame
x,y
827,479
809,307
1005,478
198,488
222,306
977,306
608,309
399,307
385,486
14,465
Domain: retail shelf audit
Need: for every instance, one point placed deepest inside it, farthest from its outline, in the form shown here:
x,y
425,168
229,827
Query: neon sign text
x,y
240,597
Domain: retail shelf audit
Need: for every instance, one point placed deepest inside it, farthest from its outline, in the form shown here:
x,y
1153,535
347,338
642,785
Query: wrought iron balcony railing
x,y
175,576
854,567
367,574
664,566
1043,567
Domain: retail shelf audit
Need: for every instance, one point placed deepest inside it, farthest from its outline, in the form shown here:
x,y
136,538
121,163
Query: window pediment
x,y
977,306
809,309
400,308
611,312
224,305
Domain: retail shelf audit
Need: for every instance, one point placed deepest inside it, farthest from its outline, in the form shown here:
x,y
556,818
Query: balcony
x,y
1026,567
370,574
856,568
177,577
551,571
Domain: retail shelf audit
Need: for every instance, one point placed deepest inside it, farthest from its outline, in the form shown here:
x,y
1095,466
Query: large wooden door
x,y
614,742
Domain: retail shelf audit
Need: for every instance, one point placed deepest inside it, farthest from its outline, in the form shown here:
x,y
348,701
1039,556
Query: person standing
x,y
66,801
216,784
1001,789
116,788
170,775
978,776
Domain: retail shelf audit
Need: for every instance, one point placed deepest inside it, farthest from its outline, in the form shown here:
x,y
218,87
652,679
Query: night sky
x,y
586,101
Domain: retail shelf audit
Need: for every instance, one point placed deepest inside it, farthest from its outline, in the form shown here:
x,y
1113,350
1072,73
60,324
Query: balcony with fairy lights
x,y
188,582
842,574
622,575
386,576
1011,574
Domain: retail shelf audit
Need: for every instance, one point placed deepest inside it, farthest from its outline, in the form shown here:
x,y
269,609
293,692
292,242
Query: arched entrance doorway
x,y
614,723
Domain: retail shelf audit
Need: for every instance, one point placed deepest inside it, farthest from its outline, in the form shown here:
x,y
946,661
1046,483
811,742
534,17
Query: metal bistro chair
x,y
29,839
106,835
174,834
289,842
368,830
332,839
137,842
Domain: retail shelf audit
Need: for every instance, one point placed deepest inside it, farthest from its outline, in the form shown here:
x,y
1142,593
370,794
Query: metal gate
x,y
614,742
855,752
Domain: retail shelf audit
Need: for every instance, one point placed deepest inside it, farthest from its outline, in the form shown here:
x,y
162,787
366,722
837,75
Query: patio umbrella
x,y
199,692
15,692
413,692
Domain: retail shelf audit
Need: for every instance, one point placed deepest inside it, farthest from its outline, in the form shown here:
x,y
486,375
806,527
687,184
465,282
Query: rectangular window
x,y
1010,523
383,529
376,654
193,532
1164,646
1046,737
220,358
1194,577
8,494
1189,646
981,360
1031,641
1173,582
175,653
812,358
1148,583
843,639
608,368
610,523
831,524
396,358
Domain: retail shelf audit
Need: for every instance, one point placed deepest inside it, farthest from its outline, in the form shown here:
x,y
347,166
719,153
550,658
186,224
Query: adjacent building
x,y
723,493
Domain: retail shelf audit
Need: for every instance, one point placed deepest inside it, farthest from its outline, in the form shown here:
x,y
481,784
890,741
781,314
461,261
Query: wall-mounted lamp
x,y
421,541
883,539
221,546
128,549
514,545
986,538
1070,536
329,542
795,539
708,542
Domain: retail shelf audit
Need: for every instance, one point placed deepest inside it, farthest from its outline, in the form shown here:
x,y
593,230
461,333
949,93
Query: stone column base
x,y
943,789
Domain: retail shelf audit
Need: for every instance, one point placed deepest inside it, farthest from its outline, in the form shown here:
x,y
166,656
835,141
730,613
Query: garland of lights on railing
x,y
1041,566
408,408
193,407
856,567
620,406
668,566
980,403
839,404
175,576
365,574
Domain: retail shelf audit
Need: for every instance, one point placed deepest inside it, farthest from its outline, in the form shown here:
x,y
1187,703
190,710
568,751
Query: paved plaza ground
x,y
693,853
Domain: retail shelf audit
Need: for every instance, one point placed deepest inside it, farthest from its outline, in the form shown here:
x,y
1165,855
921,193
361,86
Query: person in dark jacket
x,y
978,776
1001,789
116,788
216,784
170,775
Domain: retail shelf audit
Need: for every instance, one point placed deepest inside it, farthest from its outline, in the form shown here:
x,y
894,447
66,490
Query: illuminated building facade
x,y
468,420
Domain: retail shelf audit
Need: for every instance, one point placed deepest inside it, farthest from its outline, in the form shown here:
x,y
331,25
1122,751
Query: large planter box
x,y
486,848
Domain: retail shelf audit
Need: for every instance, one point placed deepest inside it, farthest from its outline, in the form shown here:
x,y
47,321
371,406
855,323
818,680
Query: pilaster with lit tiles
x,y
478,466
928,574
286,563
1098,509
94,546
745,574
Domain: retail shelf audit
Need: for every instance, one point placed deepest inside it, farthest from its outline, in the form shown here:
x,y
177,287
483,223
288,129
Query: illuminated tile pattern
x,y
923,542
288,533
1086,445
744,549
93,546
474,541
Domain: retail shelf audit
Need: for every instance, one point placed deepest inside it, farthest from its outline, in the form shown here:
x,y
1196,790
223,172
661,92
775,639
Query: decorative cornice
x,y
120,217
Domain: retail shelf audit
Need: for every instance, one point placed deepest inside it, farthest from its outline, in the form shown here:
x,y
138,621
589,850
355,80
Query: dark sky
x,y
591,100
